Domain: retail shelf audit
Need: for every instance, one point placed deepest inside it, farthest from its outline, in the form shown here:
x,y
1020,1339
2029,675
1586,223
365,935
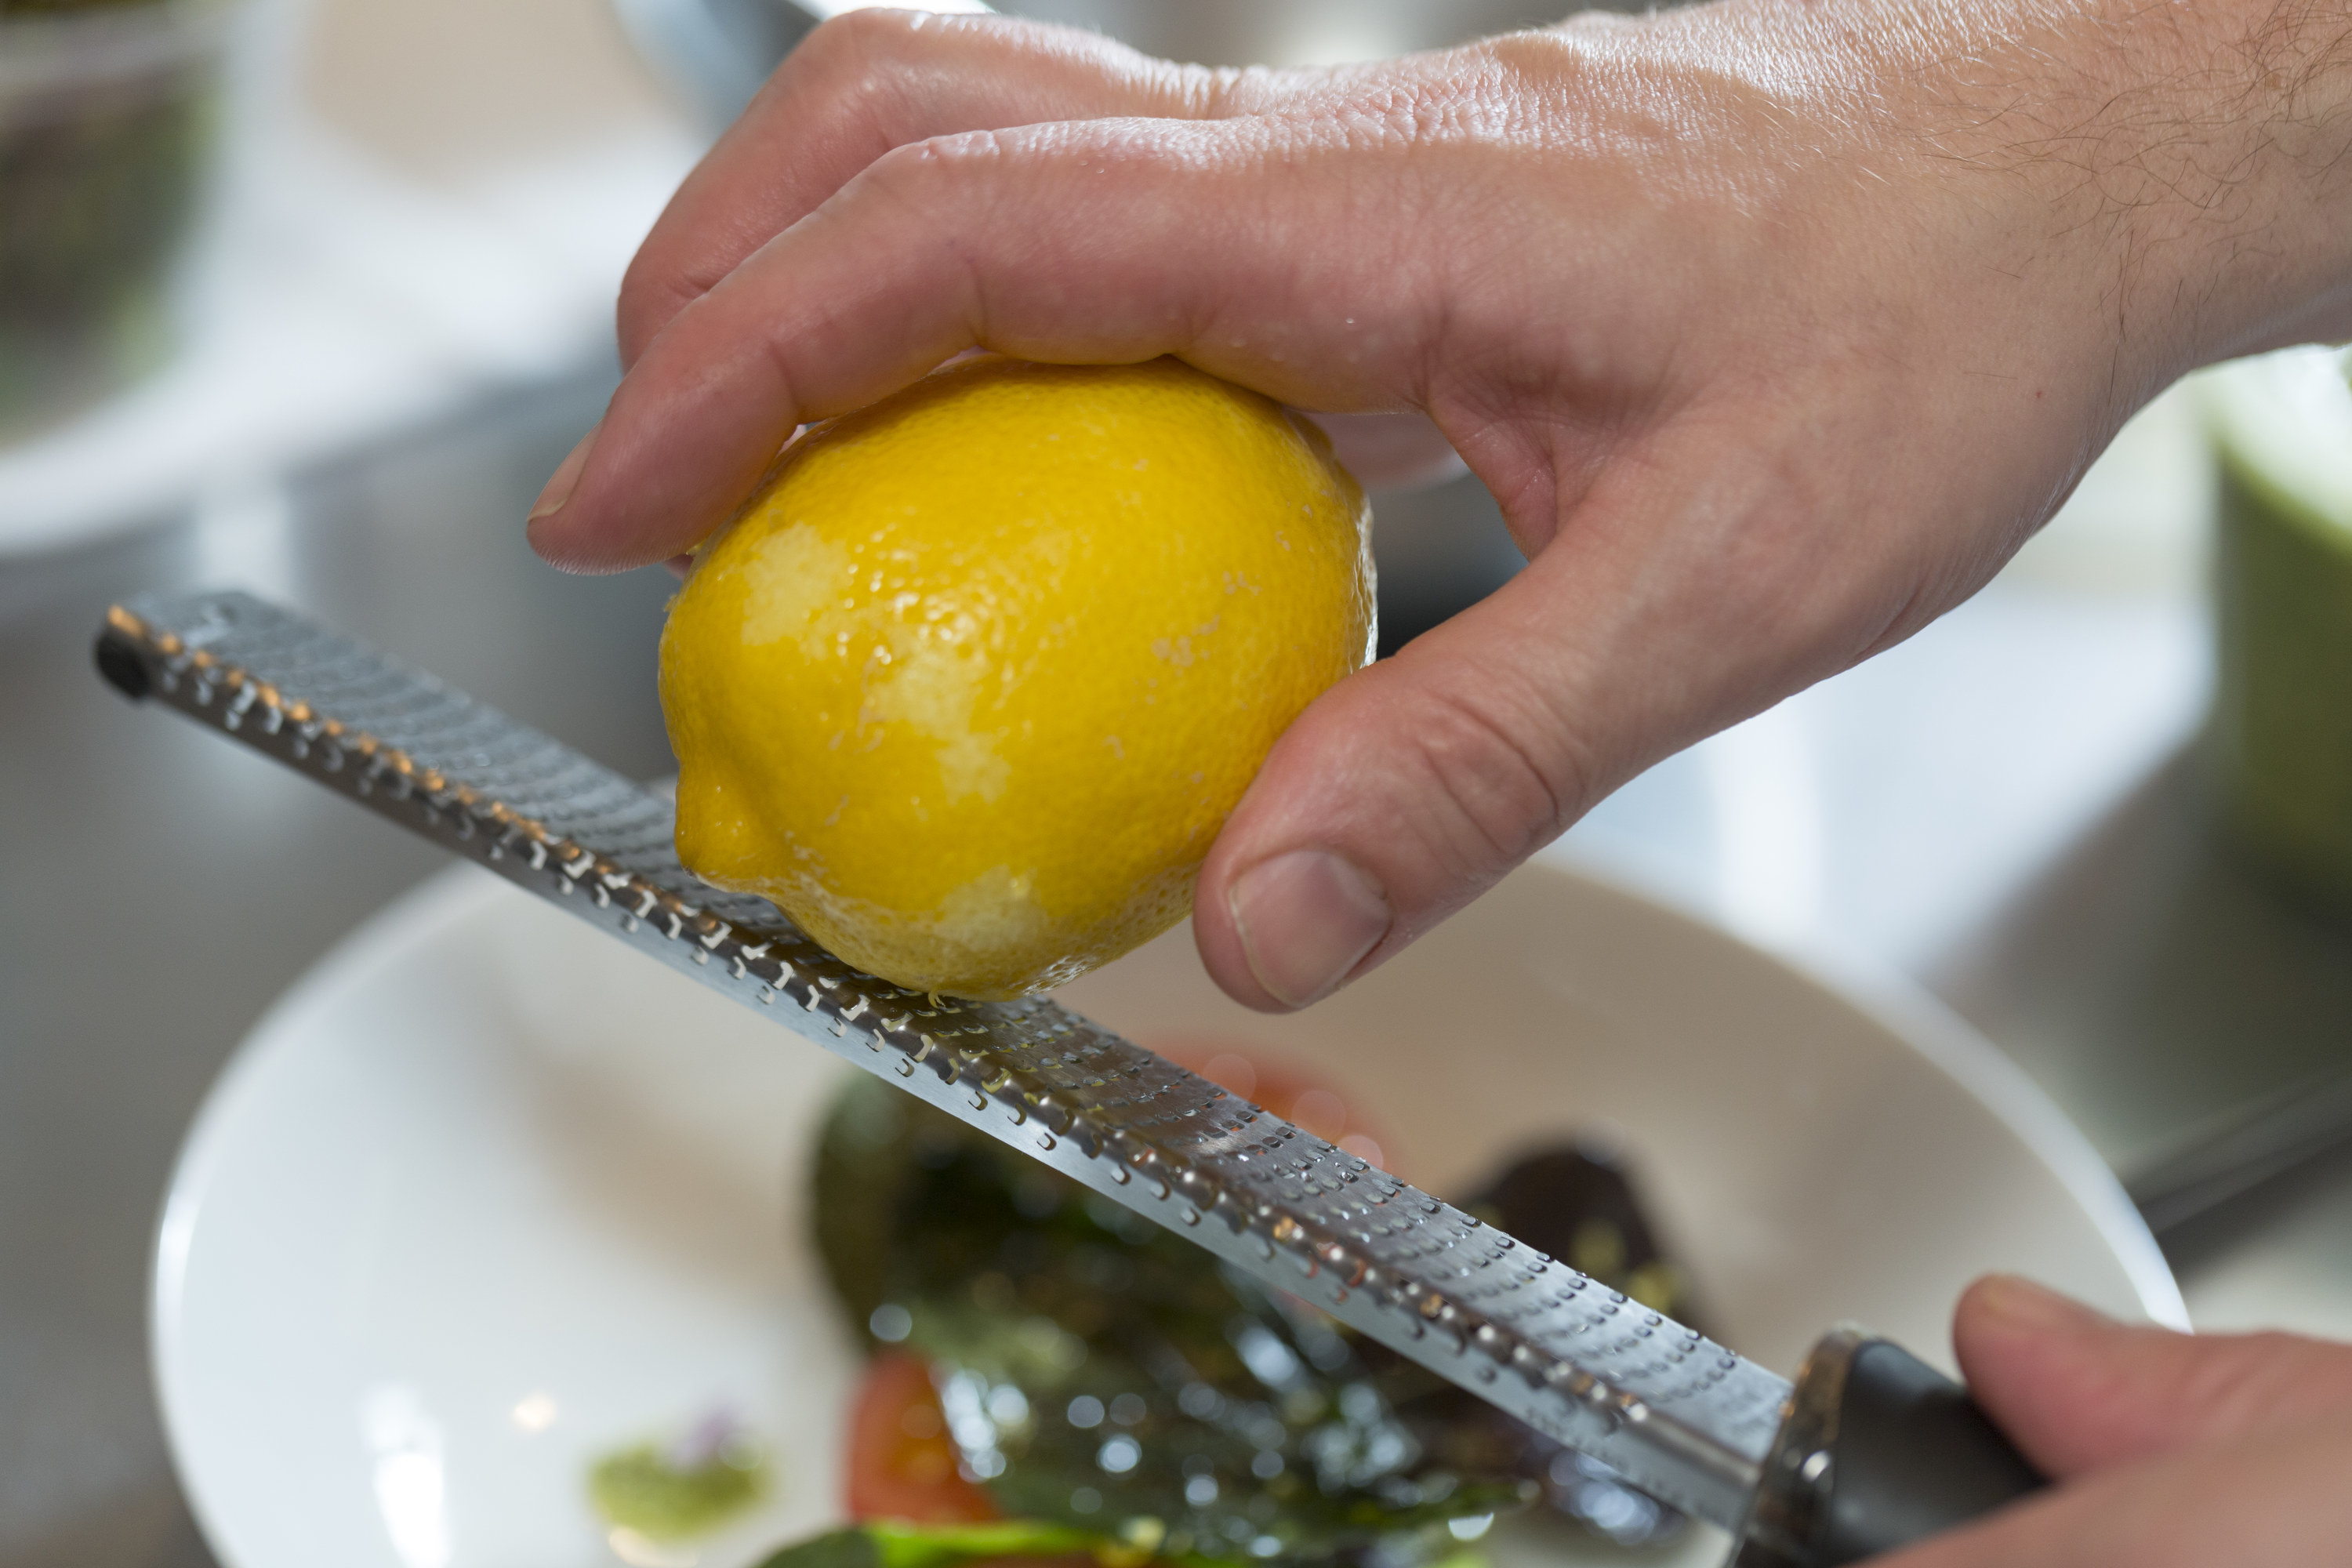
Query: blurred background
x,y
308,297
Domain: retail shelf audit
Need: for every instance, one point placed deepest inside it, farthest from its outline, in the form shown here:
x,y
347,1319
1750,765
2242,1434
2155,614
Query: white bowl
x,y
484,1198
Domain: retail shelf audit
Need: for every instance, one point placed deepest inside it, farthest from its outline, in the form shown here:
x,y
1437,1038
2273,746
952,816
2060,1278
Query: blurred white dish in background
x,y
484,1198
427,204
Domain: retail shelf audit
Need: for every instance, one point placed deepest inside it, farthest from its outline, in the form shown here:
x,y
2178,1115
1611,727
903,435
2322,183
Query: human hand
x,y
1774,328
2169,1450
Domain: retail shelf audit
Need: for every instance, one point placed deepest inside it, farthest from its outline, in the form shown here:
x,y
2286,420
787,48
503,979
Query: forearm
x,y
2188,157
2202,142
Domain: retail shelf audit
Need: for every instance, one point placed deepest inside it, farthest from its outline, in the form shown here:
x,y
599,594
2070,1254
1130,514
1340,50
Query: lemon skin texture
x,y
969,685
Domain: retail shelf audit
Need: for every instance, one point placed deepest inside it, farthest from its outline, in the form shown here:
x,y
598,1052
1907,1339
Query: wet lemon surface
x,y
969,687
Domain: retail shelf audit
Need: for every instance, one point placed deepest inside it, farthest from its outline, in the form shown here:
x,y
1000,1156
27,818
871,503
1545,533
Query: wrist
x,y
2187,157
2173,176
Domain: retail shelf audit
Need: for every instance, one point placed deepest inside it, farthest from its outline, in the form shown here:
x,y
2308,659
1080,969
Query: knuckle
x,y
873,51
1531,56
1499,762
654,289
935,190
926,173
854,70
638,297
861,39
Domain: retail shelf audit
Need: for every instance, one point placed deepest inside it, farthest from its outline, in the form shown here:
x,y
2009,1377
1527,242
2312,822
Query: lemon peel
x,y
969,687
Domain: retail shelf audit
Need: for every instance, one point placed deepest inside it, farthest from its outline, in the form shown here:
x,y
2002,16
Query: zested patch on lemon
x,y
970,686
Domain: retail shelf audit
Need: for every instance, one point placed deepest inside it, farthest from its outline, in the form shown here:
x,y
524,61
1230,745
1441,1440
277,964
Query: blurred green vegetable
x,y
106,116
2282,734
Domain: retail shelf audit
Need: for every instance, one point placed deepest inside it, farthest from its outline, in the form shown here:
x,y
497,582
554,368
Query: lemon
x,y
970,684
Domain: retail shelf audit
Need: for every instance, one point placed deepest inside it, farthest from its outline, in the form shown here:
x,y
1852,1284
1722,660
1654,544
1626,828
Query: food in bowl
x,y
1055,1376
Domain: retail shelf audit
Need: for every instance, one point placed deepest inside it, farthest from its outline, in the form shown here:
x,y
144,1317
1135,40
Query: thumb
x,y
2077,1391
1661,600
1394,799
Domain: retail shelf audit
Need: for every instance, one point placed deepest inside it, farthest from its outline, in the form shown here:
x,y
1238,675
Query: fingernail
x,y
567,474
1305,919
2022,1303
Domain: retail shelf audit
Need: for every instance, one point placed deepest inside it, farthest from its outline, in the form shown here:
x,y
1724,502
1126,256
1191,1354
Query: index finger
x,y
857,87
1199,245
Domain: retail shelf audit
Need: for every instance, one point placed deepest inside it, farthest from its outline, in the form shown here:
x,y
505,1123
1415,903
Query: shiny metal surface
x,y
1680,1417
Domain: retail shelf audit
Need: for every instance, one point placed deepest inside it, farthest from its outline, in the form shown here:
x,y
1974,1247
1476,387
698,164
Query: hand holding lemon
x,y
1773,329
970,684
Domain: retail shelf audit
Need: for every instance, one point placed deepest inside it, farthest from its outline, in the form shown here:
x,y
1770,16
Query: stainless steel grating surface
x,y
1679,1414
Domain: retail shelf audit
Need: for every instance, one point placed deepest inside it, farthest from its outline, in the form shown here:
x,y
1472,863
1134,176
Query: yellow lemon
x,y
969,687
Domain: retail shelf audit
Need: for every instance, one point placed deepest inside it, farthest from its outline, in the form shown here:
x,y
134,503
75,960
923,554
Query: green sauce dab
x,y
675,1491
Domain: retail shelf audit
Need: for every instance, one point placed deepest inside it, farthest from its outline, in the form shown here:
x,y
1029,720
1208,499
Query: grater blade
x,y
1679,1415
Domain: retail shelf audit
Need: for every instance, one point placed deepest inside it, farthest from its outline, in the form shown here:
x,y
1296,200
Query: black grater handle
x,y
1878,1449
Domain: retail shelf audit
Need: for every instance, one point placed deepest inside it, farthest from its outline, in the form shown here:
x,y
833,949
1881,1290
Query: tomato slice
x,y
902,1463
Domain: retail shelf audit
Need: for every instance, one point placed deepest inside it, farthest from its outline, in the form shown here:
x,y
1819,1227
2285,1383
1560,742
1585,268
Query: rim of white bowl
x,y
383,939
1965,1054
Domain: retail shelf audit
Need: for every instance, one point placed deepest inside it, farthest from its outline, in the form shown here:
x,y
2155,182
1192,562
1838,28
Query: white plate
x,y
485,1196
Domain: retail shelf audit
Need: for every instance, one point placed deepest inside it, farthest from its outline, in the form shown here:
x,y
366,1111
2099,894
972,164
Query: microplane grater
x,y
1678,1414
